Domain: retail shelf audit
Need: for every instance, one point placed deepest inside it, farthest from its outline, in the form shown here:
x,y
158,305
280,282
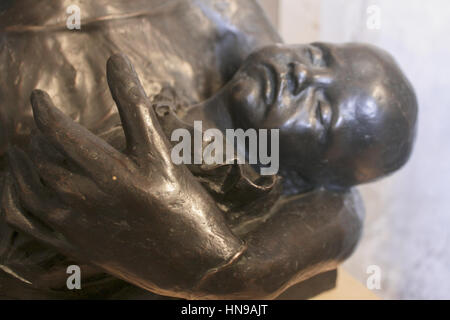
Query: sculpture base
x,y
311,287
301,291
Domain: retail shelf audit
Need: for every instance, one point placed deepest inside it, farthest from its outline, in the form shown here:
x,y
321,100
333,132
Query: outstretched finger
x,y
141,127
92,154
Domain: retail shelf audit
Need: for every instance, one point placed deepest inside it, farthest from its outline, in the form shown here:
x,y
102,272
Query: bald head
x,y
346,113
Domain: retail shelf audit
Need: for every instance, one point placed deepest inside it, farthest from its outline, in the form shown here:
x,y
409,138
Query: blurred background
x,y
407,227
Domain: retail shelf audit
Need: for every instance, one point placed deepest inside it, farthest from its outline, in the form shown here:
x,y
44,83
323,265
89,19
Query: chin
x,y
247,105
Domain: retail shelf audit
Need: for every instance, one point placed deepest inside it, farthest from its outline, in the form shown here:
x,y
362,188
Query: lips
x,y
269,82
294,81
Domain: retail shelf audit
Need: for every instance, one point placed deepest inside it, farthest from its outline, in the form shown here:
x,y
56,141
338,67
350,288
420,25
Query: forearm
x,y
295,244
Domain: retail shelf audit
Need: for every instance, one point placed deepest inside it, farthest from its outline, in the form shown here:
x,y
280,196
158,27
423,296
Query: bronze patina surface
x,y
87,176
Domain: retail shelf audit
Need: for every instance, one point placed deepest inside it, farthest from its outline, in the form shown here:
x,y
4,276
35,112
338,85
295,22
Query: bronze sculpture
x,y
346,115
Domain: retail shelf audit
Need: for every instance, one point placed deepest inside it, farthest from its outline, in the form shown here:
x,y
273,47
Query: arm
x,y
305,235
142,219
129,213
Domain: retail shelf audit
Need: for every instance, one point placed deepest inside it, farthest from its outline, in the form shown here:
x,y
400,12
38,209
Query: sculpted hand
x,y
133,213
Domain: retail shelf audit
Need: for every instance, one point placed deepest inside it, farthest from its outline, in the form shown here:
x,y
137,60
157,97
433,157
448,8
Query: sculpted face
x,y
346,113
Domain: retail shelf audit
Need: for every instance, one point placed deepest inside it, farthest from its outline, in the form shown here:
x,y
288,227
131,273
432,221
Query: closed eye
x,y
292,78
310,55
324,112
316,56
322,54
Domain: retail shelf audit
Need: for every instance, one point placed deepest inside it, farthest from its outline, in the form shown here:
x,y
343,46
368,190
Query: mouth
x,y
269,83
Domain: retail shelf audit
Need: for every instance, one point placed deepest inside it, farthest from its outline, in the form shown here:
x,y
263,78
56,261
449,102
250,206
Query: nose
x,y
300,74
321,78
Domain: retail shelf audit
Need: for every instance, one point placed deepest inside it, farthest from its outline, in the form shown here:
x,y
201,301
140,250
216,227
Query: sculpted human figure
x,y
106,193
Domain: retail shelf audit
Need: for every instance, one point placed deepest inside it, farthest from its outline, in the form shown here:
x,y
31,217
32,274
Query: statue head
x,y
346,113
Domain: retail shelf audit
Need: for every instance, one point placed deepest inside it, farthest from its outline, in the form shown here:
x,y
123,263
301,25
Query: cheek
x,y
339,146
301,149
297,112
